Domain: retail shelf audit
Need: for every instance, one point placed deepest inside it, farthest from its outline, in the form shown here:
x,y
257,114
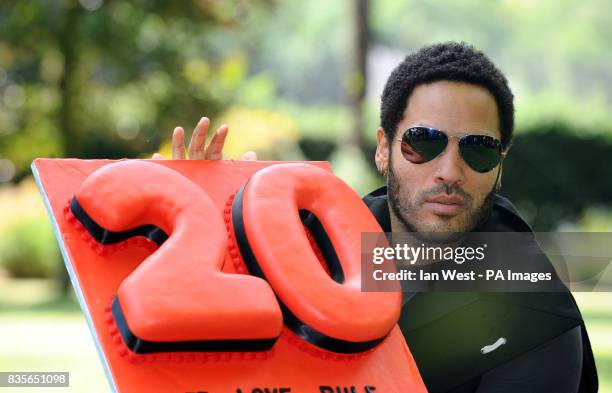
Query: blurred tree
x,y
555,176
357,78
556,53
92,79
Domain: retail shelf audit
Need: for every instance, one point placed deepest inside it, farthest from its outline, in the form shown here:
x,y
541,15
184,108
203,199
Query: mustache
x,y
447,189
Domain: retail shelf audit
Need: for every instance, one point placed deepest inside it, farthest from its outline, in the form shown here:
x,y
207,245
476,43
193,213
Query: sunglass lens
x,y
421,144
481,152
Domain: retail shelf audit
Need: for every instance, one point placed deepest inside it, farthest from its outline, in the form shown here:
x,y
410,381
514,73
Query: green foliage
x,y
325,122
28,249
555,176
316,149
351,166
306,46
595,219
555,53
111,79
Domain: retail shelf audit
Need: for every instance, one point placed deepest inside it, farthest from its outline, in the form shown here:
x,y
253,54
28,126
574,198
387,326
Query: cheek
x,y
402,170
411,178
483,186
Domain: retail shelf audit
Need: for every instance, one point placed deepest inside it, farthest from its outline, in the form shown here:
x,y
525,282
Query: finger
x,y
178,144
157,156
249,156
198,139
214,151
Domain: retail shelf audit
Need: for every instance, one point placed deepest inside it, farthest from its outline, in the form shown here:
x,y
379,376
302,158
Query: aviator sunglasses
x,y
422,144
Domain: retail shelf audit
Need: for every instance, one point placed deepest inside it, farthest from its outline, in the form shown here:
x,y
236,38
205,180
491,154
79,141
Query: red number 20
x,y
178,299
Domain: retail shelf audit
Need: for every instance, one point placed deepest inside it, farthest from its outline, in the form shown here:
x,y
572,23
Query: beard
x,y
406,210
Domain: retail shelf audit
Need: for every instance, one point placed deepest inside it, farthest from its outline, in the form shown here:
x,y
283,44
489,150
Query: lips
x,y
444,205
446,199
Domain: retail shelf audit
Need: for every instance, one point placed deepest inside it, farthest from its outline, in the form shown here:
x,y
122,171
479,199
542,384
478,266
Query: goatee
x,y
404,213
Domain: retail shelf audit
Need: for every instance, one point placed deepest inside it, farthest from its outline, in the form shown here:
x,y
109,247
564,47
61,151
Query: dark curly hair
x,y
451,61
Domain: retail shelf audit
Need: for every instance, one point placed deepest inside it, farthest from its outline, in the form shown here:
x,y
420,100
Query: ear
x,y
382,152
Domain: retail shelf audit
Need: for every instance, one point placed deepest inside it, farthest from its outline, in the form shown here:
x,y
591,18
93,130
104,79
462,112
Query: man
x,y
443,92
441,184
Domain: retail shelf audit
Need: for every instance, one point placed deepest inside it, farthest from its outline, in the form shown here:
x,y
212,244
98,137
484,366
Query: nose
x,y
450,167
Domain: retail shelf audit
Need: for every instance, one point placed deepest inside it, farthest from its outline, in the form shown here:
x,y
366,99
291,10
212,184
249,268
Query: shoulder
x,y
376,201
504,218
505,207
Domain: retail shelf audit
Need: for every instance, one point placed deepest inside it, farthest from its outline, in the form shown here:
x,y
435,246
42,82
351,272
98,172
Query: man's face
x,y
443,197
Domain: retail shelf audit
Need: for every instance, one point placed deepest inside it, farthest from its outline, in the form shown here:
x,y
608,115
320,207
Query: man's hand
x,y
197,149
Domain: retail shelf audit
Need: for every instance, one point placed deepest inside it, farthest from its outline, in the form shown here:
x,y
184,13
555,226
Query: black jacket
x,y
547,348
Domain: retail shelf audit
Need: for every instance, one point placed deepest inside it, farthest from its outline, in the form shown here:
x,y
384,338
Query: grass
x,y
596,310
39,332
